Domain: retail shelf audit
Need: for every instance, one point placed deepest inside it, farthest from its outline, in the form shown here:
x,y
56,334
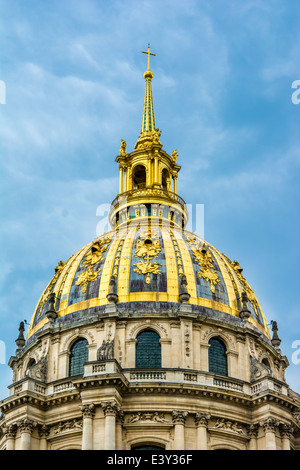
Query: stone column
x,y
201,420
26,427
88,412
43,434
156,170
270,425
285,433
175,183
252,431
179,418
121,180
10,434
110,412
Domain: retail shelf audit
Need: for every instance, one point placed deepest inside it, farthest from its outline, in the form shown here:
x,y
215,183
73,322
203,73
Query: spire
x,y
148,118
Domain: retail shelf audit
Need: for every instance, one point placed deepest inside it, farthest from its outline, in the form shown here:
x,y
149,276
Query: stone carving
x,y
201,419
147,416
228,425
110,408
10,431
258,369
43,430
252,430
26,425
38,370
270,424
70,425
106,351
179,417
88,410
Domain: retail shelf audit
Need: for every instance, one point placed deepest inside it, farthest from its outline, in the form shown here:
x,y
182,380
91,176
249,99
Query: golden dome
x,y
148,263
149,267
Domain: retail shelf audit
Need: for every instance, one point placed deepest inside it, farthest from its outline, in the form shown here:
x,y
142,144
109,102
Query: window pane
x,y
148,351
217,357
79,355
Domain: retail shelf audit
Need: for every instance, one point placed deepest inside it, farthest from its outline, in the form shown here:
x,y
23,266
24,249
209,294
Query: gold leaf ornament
x,y
147,247
94,256
207,270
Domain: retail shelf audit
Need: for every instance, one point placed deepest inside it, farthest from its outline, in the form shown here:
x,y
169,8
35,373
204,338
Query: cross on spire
x,y
149,53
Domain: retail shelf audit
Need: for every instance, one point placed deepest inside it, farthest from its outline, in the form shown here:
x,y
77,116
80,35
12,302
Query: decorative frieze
x,y
142,416
70,425
230,426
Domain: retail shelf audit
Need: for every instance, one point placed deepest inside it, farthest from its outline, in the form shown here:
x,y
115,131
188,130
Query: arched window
x,y
147,447
30,364
217,357
165,178
79,354
148,350
139,177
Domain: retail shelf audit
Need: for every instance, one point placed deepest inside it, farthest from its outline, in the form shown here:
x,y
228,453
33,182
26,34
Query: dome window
x,y
78,356
148,350
139,177
217,357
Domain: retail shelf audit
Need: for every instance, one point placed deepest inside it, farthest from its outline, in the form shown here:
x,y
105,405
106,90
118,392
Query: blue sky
x,y
222,89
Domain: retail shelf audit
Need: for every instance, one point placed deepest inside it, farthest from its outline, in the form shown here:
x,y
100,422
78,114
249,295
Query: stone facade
x,y
181,405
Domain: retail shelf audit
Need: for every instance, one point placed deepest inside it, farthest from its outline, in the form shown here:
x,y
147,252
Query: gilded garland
x,y
147,247
203,257
94,256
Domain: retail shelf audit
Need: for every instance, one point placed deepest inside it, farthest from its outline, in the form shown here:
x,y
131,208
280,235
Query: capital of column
x,y
88,410
26,425
110,408
252,430
270,424
179,417
285,430
201,419
10,431
43,430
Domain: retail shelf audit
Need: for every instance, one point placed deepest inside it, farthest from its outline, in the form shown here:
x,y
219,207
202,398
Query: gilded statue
x,y
123,148
174,156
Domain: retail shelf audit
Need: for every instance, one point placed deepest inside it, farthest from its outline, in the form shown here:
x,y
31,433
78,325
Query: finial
x,y
184,296
20,341
112,296
244,313
275,338
149,53
51,312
